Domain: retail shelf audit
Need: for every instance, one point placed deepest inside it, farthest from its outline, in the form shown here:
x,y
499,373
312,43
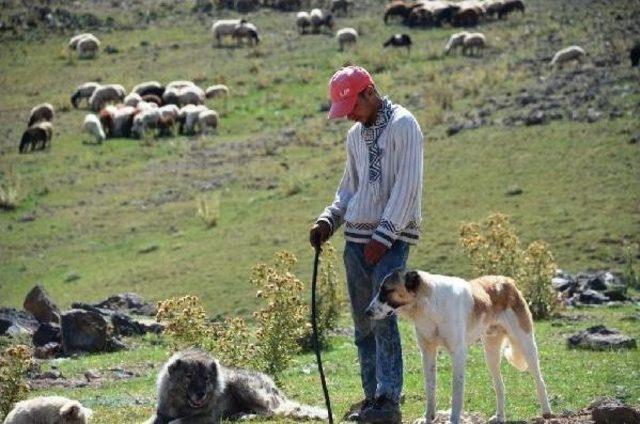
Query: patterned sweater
x,y
395,214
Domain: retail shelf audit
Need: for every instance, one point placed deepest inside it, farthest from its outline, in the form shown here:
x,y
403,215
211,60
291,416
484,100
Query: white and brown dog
x,y
455,313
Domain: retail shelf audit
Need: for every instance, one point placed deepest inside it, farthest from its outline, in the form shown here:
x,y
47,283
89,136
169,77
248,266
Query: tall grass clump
x,y
630,273
494,249
279,320
9,189
14,363
209,209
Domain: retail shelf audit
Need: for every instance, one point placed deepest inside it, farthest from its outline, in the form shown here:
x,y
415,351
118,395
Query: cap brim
x,y
342,108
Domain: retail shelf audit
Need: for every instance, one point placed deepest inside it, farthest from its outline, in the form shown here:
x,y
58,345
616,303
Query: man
x,y
378,200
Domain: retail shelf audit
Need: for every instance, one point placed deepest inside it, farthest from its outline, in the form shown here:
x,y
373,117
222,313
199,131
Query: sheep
x,y
456,40
149,87
493,7
217,90
634,55
568,54
169,111
420,16
341,5
168,116
399,40
246,30
132,99
144,121
471,41
105,94
396,8
36,137
303,21
442,11
183,96
510,6
287,5
152,98
179,84
49,410
225,27
188,118
93,126
88,48
466,17
75,40
207,119
346,36
83,91
117,120
142,105
41,112
319,19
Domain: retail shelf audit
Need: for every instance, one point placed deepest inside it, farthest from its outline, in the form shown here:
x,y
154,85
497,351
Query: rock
x,y
48,351
14,323
47,333
91,375
592,297
454,128
593,115
514,191
612,411
111,50
562,283
84,331
575,115
597,282
536,117
600,338
525,99
27,218
124,325
41,305
635,139
129,303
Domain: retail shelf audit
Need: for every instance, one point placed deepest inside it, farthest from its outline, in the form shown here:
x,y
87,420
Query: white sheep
x,y
188,118
473,40
346,36
145,120
143,105
73,42
93,126
117,120
132,99
303,21
49,410
225,27
207,119
184,96
217,90
83,91
455,41
246,30
169,111
88,48
41,112
568,54
179,84
149,87
112,93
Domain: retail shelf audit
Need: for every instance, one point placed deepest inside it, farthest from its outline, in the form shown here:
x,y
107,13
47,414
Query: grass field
x,y
275,164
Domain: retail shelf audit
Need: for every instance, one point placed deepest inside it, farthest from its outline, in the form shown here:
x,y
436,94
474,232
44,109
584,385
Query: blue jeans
x,y
378,342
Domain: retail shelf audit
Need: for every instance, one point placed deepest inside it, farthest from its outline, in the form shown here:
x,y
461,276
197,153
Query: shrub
x,y
630,273
9,189
209,209
494,248
14,362
279,320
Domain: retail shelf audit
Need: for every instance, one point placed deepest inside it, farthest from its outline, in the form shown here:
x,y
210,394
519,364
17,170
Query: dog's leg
x,y
492,354
429,353
531,356
459,358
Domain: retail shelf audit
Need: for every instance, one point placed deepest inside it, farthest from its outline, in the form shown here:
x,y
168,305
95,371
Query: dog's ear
x,y
70,411
175,365
212,368
412,280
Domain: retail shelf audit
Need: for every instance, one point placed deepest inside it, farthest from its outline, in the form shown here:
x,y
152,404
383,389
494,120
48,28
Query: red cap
x,y
344,87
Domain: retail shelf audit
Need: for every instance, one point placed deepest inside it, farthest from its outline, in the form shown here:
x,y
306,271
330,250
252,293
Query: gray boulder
x,y
600,338
612,411
41,305
47,333
129,303
14,322
84,331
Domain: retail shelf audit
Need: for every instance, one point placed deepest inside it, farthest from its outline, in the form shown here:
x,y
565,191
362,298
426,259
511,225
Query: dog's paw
x,y
496,420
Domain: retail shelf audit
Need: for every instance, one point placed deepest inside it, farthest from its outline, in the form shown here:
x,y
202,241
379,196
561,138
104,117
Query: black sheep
x,y
399,40
634,54
35,138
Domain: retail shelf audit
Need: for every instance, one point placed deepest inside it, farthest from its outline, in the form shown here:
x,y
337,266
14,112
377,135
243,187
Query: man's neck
x,y
372,118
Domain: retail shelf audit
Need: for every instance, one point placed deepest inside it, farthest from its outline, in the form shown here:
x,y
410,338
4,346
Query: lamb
x,y
149,87
93,126
346,36
399,40
88,48
132,99
225,27
36,137
634,55
112,93
568,54
41,112
456,40
246,30
471,41
207,119
144,121
49,410
83,91
188,118
217,90
319,19
303,21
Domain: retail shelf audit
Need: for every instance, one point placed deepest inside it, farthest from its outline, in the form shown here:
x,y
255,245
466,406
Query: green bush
x,y
14,363
494,249
209,209
9,189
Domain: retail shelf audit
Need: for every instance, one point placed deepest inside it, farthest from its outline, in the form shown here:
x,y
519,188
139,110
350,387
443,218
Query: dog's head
x,y
398,289
197,375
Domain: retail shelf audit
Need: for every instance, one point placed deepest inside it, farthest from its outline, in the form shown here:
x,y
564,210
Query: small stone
x,y
149,249
514,191
536,117
593,115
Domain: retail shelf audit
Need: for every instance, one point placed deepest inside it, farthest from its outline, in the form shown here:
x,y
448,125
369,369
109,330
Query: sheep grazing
x,y
492,7
152,98
474,41
183,95
246,31
456,40
510,6
112,93
93,126
117,120
88,48
145,120
218,90
208,119
132,99
399,40
634,55
180,84
466,17
566,55
396,8
225,28
320,19
188,118
83,91
36,137
303,21
149,87
346,36
341,6
42,112
420,16
75,40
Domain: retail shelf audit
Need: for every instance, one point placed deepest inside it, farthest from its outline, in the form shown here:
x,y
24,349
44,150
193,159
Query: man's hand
x,y
319,233
374,251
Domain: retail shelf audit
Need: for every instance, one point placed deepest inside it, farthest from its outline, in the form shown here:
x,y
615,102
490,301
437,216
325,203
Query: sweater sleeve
x,y
406,191
334,213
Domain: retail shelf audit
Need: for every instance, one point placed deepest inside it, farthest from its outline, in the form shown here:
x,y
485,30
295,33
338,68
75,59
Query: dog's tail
x,y
514,355
292,409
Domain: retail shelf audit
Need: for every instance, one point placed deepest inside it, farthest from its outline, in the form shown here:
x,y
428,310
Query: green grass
x,y
276,163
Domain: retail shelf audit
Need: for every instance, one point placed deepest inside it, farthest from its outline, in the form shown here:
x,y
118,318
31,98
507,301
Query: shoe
x,y
383,411
361,406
